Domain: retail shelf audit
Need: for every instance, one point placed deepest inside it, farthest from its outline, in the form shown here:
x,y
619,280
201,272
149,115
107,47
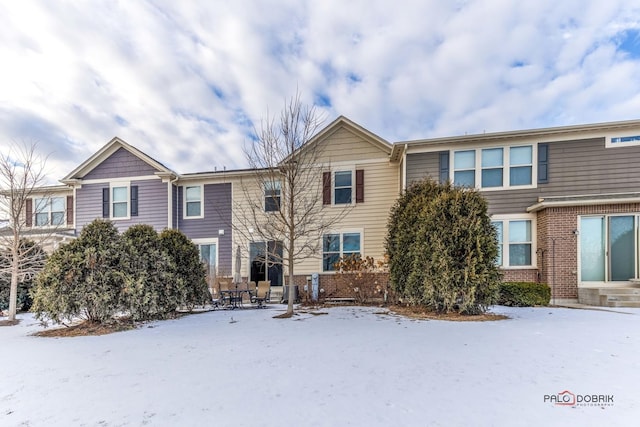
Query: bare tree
x,y
21,177
283,200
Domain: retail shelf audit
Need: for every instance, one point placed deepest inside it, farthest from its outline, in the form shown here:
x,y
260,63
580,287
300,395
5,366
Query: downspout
x,y
170,196
404,168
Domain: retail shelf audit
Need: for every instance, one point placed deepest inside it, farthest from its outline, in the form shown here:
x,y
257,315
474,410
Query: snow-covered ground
x,y
352,366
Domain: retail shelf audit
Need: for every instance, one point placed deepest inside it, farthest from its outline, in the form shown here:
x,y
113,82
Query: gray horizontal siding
x,y
422,165
120,164
579,167
217,216
152,205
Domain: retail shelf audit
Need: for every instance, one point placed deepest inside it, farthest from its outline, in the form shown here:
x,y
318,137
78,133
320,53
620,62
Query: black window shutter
x,y
105,202
360,186
134,200
326,188
444,167
543,163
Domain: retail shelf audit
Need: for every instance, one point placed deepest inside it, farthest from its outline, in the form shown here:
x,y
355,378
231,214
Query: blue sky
x,y
186,81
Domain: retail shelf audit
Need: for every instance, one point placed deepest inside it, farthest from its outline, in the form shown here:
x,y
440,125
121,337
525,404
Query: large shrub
x,y
83,278
442,249
151,289
32,258
524,294
189,271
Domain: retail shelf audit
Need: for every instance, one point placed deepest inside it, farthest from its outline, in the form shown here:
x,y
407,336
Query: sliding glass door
x,y
608,248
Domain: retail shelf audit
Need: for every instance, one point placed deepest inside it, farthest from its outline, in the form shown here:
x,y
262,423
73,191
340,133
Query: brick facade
x,y
558,244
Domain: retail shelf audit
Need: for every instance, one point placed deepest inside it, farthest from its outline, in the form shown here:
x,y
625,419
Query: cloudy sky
x,y
187,81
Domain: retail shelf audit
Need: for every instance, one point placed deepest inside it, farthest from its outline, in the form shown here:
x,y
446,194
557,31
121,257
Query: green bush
x,y
189,270
442,249
524,294
83,278
151,289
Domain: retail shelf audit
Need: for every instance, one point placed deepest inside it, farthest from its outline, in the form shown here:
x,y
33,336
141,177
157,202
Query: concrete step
x,y
627,304
620,291
621,297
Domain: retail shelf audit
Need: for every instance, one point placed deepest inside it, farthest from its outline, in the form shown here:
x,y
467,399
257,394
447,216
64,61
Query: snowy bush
x,y
442,249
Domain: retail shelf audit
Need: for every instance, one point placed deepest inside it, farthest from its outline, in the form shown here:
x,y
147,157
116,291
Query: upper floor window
x,y
49,211
120,202
339,245
486,168
272,194
622,141
193,201
342,187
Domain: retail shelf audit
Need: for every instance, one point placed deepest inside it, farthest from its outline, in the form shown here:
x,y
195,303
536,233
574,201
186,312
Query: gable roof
x,y
343,122
107,150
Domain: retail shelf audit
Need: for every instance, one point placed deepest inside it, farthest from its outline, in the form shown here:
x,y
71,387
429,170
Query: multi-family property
x,y
565,202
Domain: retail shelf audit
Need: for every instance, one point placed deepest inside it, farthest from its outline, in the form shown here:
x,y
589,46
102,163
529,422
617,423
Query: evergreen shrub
x,y
524,294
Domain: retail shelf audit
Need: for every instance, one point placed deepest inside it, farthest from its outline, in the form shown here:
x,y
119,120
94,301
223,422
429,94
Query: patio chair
x,y
224,296
262,294
216,298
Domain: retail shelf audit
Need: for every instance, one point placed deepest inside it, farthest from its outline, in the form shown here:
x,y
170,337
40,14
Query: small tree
x,y
287,181
189,271
21,175
36,260
450,253
151,289
83,278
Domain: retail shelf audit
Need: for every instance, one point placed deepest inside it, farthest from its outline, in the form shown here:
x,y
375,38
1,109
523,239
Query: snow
x,y
351,367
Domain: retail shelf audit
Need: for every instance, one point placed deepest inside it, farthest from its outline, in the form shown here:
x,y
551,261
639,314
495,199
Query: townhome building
x,y
565,202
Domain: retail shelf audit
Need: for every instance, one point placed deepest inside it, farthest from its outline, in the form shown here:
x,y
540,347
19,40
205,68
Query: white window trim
x,y
341,232
264,198
119,184
184,202
505,218
506,167
209,241
609,140
352,169
48,211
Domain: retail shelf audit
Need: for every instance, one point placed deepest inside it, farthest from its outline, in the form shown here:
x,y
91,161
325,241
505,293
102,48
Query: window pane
x,y
464,159
521,156
119,210
57,204
498,226
192,194
342,196
492,177
272,185
519,254
351,242
492,157
41,205
622,247
57,218
520,175
329,261
193,208
520,231
271,203
119,194
331,243
592,253
465,179
42,219
343,179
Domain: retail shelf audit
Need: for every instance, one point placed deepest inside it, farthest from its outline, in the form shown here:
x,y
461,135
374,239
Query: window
x,y
492,161
464,172
193,201
265,262
622,141
342,188
608,248
521,165
515,242
486,168
272,194
119,202
49,211
339,245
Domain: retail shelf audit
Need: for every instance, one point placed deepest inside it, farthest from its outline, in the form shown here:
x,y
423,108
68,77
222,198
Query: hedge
x,y
524,294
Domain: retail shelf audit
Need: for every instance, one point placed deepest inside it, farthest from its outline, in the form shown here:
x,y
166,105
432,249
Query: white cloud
x,y
186,81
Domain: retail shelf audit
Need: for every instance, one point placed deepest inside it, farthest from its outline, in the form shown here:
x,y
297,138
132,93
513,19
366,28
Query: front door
x,y
265,262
